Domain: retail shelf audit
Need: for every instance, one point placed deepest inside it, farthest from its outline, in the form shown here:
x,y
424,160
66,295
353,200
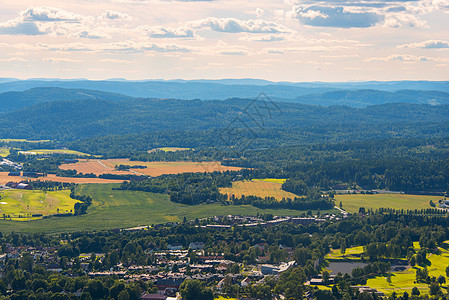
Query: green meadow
x,y
22,204
352,202
4,152
124,209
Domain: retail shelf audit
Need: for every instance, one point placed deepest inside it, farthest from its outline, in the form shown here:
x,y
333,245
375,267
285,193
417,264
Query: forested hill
x,y
10,101
71,120
363,98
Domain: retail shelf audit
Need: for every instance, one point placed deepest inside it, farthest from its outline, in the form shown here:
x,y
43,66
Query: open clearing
x,y
24,203
169,149
352,203
4,178
153,169
53,151
24,141
350,254
258,187
4,152
125,209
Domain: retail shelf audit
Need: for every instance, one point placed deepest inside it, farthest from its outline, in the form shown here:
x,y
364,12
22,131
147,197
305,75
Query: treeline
x,y
390,174
80,207
187,188
196,188
312,202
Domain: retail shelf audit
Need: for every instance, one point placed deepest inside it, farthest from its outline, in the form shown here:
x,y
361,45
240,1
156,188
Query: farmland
x,y
21,204
152,168
352,203
258,187
4,178
124,209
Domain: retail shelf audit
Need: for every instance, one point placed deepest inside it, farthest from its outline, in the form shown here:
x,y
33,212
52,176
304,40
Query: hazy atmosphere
x,y
290,40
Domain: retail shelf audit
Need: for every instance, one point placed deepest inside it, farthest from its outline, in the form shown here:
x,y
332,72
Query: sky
x,y
291,40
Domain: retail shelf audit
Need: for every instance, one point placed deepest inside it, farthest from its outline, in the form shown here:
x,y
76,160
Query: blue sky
x,y
294,40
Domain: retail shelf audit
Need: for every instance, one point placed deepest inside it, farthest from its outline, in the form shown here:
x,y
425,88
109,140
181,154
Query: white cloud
x,y
113,60
430,44
59,59
400,19
10,59
18,27
312,14
167,32
233,25
49,14
263,38
124,47
115,15
406,58
90,34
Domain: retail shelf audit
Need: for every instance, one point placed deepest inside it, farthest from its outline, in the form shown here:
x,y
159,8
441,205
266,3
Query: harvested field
x,y
4,178
153,168
261,188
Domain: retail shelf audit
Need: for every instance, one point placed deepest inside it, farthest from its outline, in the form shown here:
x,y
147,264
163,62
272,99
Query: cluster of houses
x,y
8,163
17,185
170,269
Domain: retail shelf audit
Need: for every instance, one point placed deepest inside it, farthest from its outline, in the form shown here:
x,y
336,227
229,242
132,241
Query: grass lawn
x,y
351,253
124,209
352,203
405,280
24,203
259,187
55,151
4,152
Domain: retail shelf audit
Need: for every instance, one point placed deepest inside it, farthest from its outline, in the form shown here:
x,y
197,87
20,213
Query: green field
x,y
404,281
21,204
275,180
352,203
4,152
400,281
125,209
352,253
54,151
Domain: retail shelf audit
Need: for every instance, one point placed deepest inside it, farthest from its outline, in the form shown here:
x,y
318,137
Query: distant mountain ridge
x,y
221,89
11,101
